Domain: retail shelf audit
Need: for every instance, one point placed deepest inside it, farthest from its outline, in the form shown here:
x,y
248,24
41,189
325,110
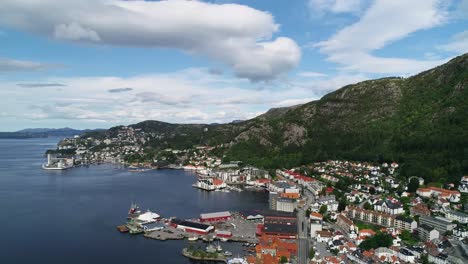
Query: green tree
x,y
378,240
311,253
283,259
323,209
367,206
413,185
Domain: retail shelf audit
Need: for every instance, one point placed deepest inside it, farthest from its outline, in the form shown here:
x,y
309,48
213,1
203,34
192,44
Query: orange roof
x,y
317,215
217,181
251,259
367,231
290,195
268,259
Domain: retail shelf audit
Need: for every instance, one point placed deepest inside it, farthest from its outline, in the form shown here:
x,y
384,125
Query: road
x,y
303,237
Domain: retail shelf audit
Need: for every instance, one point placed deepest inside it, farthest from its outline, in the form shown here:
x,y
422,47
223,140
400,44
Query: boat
x,y
193,238
223,239
237,261
227,253
210,249
219,248
134,211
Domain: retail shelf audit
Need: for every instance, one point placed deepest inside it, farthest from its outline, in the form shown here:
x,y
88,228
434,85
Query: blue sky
x,y
100,63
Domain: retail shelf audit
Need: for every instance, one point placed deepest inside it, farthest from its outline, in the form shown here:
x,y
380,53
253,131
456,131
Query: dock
x,y
123,229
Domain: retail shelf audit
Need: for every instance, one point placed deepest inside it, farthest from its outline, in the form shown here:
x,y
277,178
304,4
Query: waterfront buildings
x,y
192,227
215,217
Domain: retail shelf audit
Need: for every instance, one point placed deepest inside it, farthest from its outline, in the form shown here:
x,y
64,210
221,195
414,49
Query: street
x,y
303,237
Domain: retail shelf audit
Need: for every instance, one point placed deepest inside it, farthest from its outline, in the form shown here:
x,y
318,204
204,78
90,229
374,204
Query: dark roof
x,y
271,213
426,227
281,228
189,224
404,219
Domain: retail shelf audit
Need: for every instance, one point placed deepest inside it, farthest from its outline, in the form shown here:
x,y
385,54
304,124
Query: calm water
x,y
70,216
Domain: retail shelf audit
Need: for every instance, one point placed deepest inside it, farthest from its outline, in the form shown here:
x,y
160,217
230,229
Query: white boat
x,y
210,249
237,261
219,248
193,238
224,239
227,253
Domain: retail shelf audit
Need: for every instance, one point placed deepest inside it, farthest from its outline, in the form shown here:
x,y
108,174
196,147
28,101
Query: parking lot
x,y
242,230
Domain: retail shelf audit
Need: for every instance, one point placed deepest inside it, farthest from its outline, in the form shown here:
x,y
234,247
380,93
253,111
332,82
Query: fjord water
x,y
70,216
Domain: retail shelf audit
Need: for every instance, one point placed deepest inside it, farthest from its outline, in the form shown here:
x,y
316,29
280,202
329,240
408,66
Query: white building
x,y
457,216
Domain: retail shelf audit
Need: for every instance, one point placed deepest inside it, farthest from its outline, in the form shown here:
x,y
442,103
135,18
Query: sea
x,y
71,216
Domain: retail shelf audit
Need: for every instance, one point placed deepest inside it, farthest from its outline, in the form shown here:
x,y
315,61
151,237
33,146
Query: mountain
x,y
45,132
420,122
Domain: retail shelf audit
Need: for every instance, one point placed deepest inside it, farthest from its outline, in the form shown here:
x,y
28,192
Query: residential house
x,y
457,216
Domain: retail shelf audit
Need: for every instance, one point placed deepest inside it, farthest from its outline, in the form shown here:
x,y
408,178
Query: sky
x,y
101,63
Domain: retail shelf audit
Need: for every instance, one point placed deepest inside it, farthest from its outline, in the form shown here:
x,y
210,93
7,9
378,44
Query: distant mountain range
x,y
45,132
420,122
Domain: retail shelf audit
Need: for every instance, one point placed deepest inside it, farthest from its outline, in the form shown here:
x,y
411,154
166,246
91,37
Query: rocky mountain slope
x,y
421,122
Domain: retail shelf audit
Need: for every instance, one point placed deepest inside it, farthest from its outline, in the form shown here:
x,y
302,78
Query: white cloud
x,y
8,65
311,74
187,96
236,35
459,43
321,7
75,32
384,22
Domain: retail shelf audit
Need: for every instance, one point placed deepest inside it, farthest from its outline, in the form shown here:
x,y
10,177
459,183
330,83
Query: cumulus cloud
x,y
40,85
120,90
207,29
8,65
382,23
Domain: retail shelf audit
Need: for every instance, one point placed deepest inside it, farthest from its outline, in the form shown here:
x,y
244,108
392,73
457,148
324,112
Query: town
x,y
334,211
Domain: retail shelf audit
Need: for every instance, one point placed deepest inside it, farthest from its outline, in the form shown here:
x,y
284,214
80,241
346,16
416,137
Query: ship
x,y
134,211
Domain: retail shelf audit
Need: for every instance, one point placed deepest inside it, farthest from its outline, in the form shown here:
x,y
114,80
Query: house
x,y
345,223
457,216
450,195
406,255
420,209
390,206
366,232
324,236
